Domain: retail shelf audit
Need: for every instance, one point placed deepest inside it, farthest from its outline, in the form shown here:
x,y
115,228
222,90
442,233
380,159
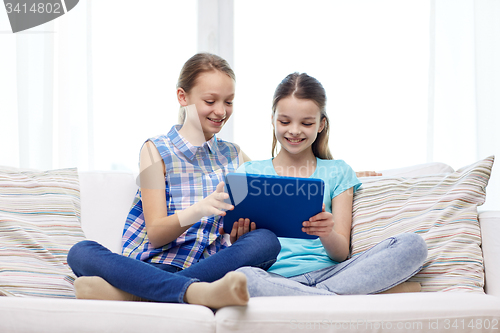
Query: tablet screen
x,y
280,204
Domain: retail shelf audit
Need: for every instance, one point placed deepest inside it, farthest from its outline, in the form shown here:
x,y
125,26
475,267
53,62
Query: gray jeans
x,y
382,267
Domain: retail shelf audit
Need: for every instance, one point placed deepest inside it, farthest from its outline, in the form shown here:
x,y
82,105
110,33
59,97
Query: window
x,y
137,55
372,58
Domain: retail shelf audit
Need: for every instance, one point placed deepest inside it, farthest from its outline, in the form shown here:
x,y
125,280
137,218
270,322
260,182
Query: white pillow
x,y
39,222
442,208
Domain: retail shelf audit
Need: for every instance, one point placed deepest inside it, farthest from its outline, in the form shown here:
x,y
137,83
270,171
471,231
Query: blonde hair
x,y
196,65
303,86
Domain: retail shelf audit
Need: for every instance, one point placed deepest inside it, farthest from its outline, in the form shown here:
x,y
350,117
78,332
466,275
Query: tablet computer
x,y
280,204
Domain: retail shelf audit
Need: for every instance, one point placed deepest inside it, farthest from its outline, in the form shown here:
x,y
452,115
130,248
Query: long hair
x,y
303,86
198,64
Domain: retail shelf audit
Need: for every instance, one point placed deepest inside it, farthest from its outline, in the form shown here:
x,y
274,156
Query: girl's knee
x,y
415,244
80,249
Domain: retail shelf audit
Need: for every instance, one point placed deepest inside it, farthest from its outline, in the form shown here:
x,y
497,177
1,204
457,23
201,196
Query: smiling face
x,y
212,95
297,123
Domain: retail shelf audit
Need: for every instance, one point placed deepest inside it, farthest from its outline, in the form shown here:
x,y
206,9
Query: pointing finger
x,y
220,187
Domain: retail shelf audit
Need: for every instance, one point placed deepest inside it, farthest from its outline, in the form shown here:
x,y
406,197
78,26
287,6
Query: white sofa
x,y
106,198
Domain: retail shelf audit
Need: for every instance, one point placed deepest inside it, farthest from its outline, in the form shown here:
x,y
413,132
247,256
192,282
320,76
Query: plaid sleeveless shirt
x,y
192,173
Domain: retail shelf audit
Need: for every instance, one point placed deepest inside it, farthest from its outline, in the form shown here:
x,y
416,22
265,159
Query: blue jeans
x,y
382,267
166,283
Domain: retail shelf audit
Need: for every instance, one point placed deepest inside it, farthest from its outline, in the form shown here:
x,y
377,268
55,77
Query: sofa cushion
x,y
107,197
39,222
490,245
409,312
46,315
442,208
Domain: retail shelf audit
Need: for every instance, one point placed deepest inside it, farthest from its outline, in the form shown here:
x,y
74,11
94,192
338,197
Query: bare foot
x,y
94,287
230,290
405,287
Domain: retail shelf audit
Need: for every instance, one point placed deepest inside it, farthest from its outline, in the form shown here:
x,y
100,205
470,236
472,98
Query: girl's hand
x,y
241,227
367,174
214,203
320,224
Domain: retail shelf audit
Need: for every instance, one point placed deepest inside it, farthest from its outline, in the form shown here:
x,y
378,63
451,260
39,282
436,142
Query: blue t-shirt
x,y
299,256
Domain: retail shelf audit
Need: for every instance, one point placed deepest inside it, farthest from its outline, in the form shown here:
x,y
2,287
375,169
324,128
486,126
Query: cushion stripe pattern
x,y
39,222
442,208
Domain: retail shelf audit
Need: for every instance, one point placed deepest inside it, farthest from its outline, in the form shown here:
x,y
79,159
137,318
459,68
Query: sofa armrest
x,y
490,235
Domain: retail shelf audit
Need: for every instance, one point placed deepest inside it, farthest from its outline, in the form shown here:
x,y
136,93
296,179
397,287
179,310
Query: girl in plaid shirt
x,y
174,248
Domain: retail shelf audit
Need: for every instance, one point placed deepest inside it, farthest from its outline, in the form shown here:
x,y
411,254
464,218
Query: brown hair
x,y
196,65
303,86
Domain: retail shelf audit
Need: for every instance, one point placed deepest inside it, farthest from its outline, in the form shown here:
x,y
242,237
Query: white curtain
x,y
487,45
464,104
87,89
45,101
372,58
9,123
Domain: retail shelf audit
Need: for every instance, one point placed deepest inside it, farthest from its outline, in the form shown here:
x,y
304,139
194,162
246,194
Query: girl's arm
x,y
360,174
337,243
163,229
334,230
242,157
245,157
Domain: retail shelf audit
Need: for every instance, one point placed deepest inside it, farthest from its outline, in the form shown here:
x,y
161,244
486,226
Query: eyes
x,y
212,103
283,122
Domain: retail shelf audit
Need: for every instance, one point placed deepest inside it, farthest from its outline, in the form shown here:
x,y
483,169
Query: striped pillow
x,y
39,222
442,209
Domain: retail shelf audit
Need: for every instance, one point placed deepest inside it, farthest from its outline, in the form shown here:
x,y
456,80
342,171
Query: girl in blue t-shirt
x,y
319,266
